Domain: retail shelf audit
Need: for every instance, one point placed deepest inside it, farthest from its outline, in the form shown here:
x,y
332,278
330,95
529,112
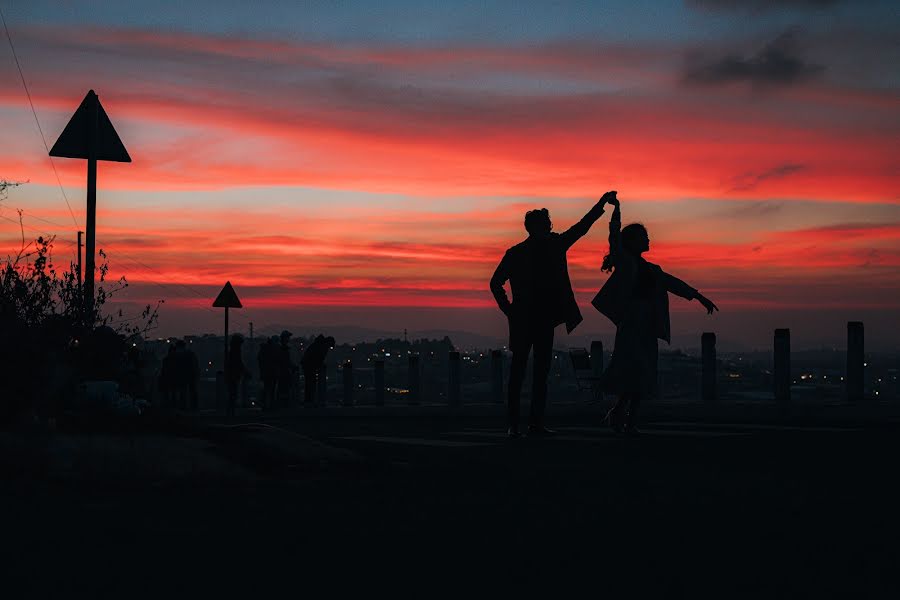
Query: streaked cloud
x,y
777,64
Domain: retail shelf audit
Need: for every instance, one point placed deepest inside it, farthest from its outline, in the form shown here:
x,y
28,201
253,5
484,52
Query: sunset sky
x,y
367,163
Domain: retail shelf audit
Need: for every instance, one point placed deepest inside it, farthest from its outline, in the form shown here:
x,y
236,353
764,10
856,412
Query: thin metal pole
x,y
225,364
91,224
80,297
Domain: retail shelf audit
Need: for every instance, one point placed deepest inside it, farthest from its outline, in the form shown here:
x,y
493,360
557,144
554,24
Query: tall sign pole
x,y
80,244
90,243
90,135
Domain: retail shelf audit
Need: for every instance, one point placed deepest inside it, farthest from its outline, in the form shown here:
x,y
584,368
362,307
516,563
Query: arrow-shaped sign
x,y
90,123
90,135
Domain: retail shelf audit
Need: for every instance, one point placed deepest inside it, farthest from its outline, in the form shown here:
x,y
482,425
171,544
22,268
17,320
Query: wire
x,y
40,231
48,221
36,120
196,292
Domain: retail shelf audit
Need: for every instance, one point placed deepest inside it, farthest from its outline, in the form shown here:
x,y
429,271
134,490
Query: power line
x,y
41,231
36,120
182,285
37,218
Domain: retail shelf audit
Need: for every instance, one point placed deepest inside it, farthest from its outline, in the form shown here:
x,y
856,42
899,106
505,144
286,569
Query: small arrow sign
x,y
227,298
83,130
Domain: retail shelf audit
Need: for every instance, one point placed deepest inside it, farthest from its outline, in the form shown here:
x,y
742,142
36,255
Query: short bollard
x,y
497,376
782,369
708,367
855,361
596,358
415,387
322,385
379,382
453,396
347,371
596,370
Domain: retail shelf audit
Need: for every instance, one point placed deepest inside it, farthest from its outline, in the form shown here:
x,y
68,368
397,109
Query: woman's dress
x,y
633,367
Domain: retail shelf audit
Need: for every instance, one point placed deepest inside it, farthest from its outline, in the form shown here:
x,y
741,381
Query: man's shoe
x,y
540,430
513,433
632,431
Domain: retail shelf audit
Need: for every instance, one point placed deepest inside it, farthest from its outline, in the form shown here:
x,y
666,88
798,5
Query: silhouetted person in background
x,y
538,275
234,371
132,383
267,358
182,377
636,299
192,364
167,378
312,362
285,369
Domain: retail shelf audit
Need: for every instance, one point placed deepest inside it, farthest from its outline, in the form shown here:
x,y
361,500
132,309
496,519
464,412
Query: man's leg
x,y
543,354
520,345
634,407
232,397
310,380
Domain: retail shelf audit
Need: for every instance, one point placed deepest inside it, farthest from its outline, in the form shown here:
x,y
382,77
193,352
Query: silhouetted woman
x,y
635,298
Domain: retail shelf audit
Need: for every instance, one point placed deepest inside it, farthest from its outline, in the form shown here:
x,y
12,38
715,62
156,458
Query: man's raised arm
x,y
576,231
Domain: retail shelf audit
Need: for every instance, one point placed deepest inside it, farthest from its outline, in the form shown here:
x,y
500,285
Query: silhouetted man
x,y
167,379
285,369
312,362
542,299
187,371
268,370
193,367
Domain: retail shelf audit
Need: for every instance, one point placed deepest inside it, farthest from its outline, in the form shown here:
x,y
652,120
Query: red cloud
x,y
281,121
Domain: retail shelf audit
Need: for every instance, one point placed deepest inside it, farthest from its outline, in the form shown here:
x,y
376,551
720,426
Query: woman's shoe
x,y
612,420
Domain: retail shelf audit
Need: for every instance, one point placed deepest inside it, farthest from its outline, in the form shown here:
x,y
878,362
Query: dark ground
x,y
448,504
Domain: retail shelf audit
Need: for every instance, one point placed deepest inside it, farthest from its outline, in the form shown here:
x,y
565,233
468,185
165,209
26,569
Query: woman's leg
x,y
634,409
616,415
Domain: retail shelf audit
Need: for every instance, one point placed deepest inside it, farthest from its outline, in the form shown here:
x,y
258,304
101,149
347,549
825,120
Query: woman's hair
x,y
631,235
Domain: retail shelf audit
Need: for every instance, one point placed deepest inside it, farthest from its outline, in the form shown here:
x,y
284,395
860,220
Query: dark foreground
x,y
446,505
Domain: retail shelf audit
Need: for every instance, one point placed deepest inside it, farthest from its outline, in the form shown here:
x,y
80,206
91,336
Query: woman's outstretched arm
x,y
707,303
680,288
